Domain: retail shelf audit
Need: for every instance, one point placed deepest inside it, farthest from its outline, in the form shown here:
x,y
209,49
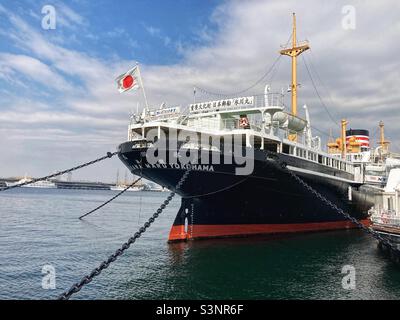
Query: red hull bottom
x,y
178,232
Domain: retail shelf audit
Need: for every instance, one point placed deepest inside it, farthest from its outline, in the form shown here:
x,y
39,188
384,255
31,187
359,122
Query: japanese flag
x,y
129,80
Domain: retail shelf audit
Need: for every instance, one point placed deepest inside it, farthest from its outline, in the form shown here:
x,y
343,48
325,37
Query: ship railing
x,y
234,124
386,217
300,43
285,133
238,103
272,99
259,101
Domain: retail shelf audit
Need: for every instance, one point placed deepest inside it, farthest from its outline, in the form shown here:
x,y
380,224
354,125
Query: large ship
x,y
241,152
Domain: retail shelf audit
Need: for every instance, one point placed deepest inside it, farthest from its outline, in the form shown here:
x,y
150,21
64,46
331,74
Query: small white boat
x,y
123,187
44,184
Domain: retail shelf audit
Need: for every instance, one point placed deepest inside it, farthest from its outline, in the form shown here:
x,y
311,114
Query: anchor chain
x,y
107,156
111,199
329,203
105,264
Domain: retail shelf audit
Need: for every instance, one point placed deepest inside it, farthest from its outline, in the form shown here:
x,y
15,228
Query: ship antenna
x,y
295,50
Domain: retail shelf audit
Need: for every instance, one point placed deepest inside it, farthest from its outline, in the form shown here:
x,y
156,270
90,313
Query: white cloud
x,y
13,66
358,67
153,31
69,18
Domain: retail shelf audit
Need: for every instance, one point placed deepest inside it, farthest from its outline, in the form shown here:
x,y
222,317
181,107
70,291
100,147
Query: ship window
x,y
285,148
271,147
389,204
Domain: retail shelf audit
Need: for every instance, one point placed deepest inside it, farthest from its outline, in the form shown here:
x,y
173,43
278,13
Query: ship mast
x,y
384,144
343,139
295,50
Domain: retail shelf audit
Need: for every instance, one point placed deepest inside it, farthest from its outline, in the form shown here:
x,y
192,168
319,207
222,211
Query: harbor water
x,y
40,227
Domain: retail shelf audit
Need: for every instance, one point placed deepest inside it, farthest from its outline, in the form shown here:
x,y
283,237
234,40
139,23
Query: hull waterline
x,y
218,203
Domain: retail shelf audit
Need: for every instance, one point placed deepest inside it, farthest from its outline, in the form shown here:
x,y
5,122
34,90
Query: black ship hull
x,y
218,203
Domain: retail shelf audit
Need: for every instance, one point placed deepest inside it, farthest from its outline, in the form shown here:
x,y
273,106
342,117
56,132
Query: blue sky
x,y
152,32
129,28
58,100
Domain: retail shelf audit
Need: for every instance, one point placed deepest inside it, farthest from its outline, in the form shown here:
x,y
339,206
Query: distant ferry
x,y
44,184
219,202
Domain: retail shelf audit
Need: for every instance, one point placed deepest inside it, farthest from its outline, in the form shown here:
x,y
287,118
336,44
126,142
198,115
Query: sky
x,y
59,103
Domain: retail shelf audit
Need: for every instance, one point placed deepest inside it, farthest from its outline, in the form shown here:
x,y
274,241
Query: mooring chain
x,y
107,156
375,234
111,199
104,265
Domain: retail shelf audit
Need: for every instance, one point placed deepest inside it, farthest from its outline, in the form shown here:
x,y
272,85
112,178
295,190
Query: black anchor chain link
x,y
281,164
107,156
104,265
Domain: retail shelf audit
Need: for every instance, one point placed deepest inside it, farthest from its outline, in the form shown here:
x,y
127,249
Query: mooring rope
x,y
111,199
107,156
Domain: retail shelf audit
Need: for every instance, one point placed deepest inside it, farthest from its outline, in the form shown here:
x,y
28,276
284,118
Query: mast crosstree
x,y
295,50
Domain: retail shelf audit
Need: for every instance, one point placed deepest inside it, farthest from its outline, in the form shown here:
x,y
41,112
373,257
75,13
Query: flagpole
x,y
142,86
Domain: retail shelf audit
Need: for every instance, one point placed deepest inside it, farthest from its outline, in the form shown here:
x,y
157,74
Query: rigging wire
x,y
319,96
241,91
320,131
373,137
263,77
271,80
388,134
318,76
